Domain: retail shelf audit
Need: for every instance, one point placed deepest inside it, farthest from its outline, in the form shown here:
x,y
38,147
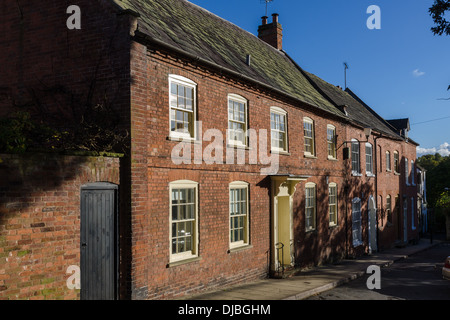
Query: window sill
x,y
332,225
240,248
387,170
370,175
184,261
183,139
356,174
238,146
332,158
285,153
396,173
310,156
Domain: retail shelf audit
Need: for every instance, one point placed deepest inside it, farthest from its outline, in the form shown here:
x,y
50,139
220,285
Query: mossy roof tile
x,y
198,32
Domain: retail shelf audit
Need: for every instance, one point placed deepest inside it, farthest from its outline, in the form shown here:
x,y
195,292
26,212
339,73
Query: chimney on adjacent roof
x,y
271,33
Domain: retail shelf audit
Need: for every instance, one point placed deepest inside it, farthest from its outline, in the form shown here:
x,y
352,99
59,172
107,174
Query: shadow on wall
x,y
329,244
29,179
40,220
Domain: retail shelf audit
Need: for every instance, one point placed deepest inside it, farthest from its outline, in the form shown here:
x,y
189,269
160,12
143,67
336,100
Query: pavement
x,y
307,283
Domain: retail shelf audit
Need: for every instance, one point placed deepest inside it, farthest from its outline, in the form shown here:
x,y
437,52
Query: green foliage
x,y
96,131
13,137
438,11
438,176
19,133
444,200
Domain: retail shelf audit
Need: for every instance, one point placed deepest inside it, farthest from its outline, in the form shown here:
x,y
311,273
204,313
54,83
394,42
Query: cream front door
x,y
282,251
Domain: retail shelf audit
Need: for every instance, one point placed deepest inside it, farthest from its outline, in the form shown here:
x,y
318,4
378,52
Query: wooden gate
x,y
99,241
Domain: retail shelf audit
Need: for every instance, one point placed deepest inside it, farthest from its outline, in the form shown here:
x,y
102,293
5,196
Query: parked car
x,y
446,269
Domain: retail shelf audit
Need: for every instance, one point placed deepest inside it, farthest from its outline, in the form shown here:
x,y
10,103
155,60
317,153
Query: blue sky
x,y
400,70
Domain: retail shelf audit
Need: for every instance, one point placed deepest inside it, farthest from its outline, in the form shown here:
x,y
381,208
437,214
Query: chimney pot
x,y
275,18
271,33
264,20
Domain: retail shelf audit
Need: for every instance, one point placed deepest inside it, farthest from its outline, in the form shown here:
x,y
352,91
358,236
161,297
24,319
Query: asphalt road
x,y
418,277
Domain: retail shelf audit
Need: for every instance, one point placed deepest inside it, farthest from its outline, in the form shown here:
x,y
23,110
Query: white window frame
x,y
283,113
184,184
237,98
413,212
412,173
369,159
396,162
333,222
388,161
405,214
406,171
357,223
389,208
358,171
312,138
190,84
240,185
332,143
313,218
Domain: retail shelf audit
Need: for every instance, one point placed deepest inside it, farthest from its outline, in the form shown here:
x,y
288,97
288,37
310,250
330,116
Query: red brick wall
x,y
410,191
385,183
51,69
40,221
55,72
217,266
140,211
389,183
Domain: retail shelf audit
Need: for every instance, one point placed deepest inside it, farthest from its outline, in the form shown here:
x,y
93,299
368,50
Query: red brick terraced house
x,y
240,165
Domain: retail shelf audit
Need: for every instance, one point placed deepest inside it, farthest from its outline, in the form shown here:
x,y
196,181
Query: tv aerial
x,y
266,2
345,73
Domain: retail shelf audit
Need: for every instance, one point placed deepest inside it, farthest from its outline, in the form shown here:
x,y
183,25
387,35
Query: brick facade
x,y
134,73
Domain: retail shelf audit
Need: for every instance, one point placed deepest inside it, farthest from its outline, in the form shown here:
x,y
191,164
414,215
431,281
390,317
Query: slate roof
x,y
196,31
400,124
190,29
357,111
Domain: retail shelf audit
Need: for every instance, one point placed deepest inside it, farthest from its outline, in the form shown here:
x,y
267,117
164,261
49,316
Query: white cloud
x,y
416,73
443,150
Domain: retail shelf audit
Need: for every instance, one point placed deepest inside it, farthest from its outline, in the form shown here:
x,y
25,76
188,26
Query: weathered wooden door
x,y
99,241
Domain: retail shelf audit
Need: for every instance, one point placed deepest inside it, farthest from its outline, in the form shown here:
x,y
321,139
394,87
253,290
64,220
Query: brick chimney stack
x,y
271,33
